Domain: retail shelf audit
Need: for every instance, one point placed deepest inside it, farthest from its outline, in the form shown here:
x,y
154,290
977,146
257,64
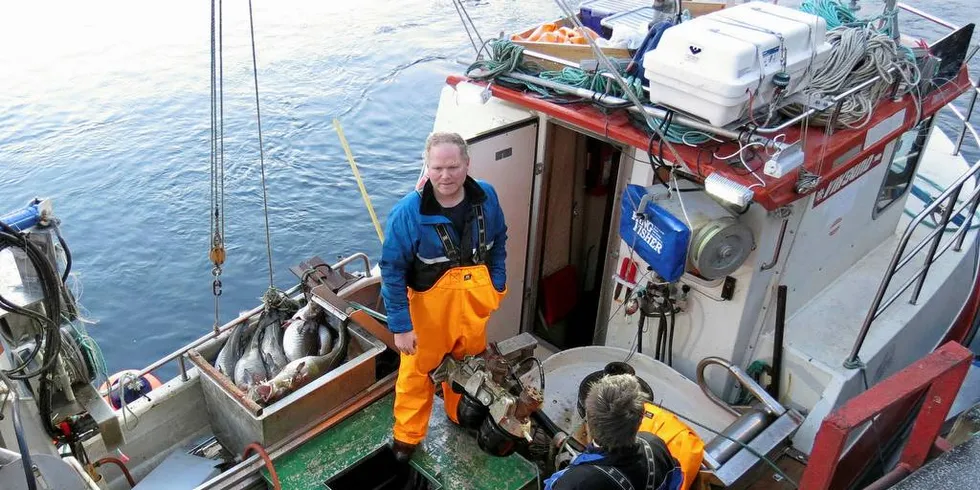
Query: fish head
x,y
263,391
301,374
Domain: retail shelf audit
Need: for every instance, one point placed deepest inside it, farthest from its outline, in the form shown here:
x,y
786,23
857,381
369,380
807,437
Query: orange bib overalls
x,y
448,318
683,443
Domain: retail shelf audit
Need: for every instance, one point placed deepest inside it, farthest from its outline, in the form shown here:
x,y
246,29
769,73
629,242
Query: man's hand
x,y
406,342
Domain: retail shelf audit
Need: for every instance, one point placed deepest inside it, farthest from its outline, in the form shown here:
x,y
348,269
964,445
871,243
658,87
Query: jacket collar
x,y
430,206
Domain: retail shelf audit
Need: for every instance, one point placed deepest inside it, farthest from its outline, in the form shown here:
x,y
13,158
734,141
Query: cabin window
x,y
901,169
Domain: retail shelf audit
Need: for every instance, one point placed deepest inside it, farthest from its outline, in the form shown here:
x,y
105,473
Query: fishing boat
x,y
751,207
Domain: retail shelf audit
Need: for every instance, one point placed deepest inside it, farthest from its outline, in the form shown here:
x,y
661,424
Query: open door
x,y
505,158
503,140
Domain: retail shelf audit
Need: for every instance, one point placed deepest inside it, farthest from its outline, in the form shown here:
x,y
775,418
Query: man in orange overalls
x,y
442,275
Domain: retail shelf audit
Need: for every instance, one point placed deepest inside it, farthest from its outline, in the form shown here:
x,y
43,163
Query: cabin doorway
x,y
505,158
575,210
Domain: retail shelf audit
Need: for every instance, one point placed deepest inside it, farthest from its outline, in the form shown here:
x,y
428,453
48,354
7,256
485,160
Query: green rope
x,y
839,15
506,57
90,349
755,371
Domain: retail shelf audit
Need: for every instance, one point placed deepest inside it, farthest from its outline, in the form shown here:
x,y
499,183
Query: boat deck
x,y
959,465
826,327
448,456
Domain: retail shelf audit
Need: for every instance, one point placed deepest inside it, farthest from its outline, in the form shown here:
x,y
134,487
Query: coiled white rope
x,y
858,55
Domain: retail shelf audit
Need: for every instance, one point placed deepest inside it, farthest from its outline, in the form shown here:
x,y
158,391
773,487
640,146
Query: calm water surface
x,y
104,107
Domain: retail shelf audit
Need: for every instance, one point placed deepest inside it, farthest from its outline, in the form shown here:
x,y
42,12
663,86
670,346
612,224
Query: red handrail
x,y
939,375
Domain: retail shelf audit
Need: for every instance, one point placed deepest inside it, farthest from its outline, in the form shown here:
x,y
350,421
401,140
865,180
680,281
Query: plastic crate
x,y
592,12
634,21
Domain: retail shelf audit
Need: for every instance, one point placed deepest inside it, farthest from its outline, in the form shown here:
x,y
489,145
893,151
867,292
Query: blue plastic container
x,y
659,238
593,11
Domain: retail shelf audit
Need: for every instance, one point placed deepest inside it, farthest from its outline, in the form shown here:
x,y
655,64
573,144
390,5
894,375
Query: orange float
x,y
136,388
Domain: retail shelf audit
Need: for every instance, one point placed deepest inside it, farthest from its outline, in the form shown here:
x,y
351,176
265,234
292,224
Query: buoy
x,y
134,388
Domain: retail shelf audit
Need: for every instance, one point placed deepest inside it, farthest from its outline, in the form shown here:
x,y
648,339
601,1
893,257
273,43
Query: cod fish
x,y
250,369
271,348
300,372
231,352
326,340
300,338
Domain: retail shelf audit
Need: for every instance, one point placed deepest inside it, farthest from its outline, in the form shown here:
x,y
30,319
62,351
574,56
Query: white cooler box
x,y
707,66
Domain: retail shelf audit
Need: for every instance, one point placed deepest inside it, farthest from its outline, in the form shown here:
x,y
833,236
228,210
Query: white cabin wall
x,y
837,233
459,113
709,326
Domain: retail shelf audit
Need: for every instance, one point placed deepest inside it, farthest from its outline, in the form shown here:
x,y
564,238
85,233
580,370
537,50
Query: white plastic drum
x,y
565,370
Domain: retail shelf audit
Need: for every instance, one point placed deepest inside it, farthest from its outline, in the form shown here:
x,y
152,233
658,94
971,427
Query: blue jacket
x,y
583,472
413,254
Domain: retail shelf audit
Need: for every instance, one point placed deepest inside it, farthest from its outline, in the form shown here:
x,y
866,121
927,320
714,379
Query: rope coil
x,y
858,55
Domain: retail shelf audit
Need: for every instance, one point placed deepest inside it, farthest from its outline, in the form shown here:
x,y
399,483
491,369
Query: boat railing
x,y
180,353
945,205
935,378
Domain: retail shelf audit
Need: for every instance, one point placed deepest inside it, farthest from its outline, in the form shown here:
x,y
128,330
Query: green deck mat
x,y
448,455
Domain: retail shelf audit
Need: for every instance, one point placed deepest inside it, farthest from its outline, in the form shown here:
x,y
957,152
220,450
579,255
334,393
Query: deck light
x,y
728,190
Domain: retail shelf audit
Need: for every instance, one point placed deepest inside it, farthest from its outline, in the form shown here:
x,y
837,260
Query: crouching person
x,y
619,456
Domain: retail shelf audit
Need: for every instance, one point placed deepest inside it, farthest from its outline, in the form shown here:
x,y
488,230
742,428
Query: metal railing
x,y
938,376
946,204
179,354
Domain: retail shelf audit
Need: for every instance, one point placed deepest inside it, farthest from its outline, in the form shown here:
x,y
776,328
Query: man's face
x,y
446,169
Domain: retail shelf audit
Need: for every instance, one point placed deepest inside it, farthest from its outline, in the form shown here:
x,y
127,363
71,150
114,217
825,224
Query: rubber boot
x,y
403,451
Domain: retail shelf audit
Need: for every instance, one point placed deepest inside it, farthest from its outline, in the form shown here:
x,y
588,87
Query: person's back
x,y
618,458
606,471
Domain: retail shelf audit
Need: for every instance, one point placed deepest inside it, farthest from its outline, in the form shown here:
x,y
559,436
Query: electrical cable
x,y
25,450
604,60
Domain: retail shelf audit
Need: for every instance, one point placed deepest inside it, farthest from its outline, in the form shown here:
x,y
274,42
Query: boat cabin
x,y
823,211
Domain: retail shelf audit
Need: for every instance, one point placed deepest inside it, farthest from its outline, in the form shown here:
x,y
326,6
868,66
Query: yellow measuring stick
x,y
360,183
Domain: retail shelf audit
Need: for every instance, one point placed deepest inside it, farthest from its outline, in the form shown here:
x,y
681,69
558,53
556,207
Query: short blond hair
x,y
440,138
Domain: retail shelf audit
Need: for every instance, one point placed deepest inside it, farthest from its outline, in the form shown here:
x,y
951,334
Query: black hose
x,y
540,371
51,290
64,246
518,367
661,335
30,357
13,308
777,341
639,331
49,281
25,451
